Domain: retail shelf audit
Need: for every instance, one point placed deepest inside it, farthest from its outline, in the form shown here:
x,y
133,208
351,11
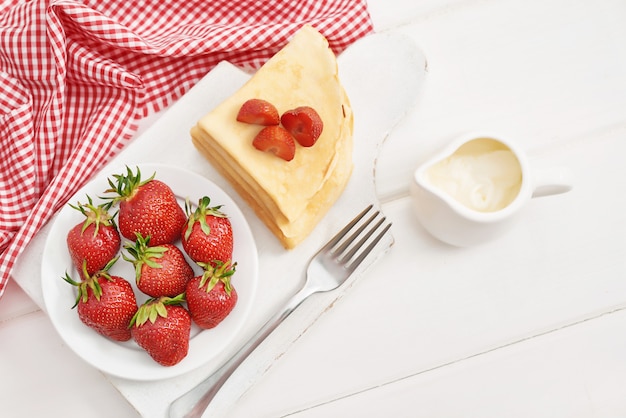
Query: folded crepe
x,y
290,197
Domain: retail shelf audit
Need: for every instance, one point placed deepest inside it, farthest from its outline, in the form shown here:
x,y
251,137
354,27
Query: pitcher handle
x,y
551,181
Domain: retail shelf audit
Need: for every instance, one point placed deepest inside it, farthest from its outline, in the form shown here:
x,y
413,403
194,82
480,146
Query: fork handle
x,y
195,401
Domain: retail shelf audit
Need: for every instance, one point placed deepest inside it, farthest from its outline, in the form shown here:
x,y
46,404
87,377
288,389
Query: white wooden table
x,y
532,324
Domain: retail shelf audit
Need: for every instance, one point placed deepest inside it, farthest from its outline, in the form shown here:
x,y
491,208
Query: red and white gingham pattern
x,y
76,75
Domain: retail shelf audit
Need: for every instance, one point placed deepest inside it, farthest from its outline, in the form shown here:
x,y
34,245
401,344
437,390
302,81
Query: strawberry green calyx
x,y
89,282
140,253
124,186
199,215
94,214
154,308
213,274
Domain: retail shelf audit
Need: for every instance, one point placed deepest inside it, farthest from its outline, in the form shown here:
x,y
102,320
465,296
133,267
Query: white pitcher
x,y
473,190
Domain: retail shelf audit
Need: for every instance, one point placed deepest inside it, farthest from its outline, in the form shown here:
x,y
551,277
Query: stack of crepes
x,y
290,197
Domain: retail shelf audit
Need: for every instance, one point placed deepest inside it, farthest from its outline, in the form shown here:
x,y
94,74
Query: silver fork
x,y
330,267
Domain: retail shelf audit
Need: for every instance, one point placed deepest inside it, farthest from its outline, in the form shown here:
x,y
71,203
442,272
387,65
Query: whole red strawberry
x,y
160,270
105,303
147,207
207,236
96,240
211,296
162,327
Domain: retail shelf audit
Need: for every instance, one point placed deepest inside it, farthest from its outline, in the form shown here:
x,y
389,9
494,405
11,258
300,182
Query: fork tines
x,y
352,249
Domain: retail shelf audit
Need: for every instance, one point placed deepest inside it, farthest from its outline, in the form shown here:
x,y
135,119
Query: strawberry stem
x,y
214,273
140,252
154,308
125,186
200,214
97,215
90,282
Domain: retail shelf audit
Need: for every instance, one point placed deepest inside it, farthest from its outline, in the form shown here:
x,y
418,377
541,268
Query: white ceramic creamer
x,y
473,190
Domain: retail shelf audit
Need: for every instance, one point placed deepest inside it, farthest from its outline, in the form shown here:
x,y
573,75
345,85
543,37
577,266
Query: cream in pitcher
x,y
483,174
473,190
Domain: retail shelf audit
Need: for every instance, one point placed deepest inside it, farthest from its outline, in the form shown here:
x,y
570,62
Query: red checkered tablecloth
x,y
75,76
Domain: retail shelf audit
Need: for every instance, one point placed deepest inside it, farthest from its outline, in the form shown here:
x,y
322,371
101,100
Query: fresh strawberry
x,y
207,236
162,327
259,112
304,123
147,207
95,240
105,303
160,270
211,296
277,140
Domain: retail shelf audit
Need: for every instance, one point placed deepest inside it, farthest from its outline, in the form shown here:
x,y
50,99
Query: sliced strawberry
x,y
259,112
304,123
277,140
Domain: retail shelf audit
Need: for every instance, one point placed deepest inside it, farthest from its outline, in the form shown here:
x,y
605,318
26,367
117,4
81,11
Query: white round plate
x,y
127,359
